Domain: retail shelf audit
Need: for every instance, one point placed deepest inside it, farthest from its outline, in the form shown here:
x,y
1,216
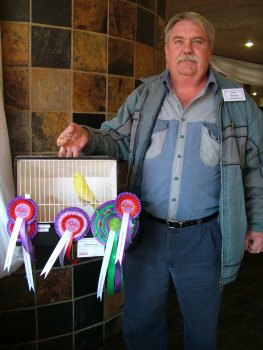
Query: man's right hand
x,y
72,140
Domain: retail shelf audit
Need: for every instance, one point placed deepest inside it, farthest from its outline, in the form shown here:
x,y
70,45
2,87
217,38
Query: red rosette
x,y
72,219
127,202
31,229
23,208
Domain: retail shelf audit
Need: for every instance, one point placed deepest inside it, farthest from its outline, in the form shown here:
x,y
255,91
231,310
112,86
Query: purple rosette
x,y
102,219
30,229
72,219
127,207
23,208
127,202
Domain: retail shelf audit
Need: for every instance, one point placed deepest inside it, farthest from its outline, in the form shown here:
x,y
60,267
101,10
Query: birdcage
x,y
57,183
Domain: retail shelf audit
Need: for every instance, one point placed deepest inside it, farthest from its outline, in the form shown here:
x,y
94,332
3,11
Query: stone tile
x,y
255,322
245,303
54,320
110,116
159,62
118,90
52,12
15,10
121,57
149,4
16,88
159,33
90,52
51,47
113,329
64,342
161,8
88,119
9,287
89,92
18,131
55,287
239,339
51,90
15,44
46,127
144,61
230,315
80,272
91,15
114,344
145,27
18,326
91,338
122,19
113,305
88,311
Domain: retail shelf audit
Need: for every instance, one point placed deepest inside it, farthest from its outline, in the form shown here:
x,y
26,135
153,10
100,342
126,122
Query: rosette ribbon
x,y
71,224
105,227
127,207
22,227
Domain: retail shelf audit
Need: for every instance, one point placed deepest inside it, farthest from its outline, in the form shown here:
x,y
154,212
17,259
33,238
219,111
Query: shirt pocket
x,y
157,139
209,147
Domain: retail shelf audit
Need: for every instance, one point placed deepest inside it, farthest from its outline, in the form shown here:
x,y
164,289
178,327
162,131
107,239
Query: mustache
x,y
187,57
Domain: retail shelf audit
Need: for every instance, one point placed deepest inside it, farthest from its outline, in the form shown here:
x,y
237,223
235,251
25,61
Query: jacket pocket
x,y
157,139
235,143
209,147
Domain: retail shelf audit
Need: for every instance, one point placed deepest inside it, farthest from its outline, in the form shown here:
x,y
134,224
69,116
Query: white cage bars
x,y
49,182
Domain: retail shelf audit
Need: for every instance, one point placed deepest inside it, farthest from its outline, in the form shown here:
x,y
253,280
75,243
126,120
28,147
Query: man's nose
x,y
188,48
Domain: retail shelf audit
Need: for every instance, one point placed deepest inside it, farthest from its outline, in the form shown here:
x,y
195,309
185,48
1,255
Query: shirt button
x,y
179,156
174,199
182,136
183,119
176,178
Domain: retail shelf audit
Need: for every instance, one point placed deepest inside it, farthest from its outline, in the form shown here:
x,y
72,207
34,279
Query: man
x,y
195,160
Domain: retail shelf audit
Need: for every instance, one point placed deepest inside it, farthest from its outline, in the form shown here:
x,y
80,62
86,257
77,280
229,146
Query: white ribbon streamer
x,y
105,264
122,237
28,268
63,252
53,257
12,243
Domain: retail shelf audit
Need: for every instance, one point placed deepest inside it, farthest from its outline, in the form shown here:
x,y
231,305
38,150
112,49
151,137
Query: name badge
x,y
233,95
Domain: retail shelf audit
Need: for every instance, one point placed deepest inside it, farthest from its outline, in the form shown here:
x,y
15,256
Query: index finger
x,y
65,136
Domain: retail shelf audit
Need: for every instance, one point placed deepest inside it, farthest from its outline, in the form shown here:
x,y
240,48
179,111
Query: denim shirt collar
x,y
211,82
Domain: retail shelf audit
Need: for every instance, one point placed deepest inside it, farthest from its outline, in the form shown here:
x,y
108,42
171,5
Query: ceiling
x,y
236,22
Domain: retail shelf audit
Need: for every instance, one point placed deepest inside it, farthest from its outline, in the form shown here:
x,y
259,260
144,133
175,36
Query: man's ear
x,y
165,50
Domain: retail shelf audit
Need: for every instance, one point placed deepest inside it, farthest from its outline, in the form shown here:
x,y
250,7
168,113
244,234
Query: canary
x,y
83,190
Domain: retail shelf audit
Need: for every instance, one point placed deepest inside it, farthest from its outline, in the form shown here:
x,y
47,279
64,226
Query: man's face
x,y
187,51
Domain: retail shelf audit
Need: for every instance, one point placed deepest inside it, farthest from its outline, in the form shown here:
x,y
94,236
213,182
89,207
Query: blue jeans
x,y
192,257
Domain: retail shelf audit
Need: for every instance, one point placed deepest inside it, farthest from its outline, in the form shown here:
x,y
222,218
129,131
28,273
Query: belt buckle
x,y
170,224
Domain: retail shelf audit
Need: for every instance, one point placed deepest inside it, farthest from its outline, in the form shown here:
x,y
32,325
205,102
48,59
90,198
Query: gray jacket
x,y
128,136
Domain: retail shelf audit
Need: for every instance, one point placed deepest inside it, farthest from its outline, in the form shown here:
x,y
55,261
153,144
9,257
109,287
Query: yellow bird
x,y
83,190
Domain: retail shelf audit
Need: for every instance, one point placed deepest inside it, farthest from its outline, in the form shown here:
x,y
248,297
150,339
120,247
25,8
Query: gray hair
x,y
192,17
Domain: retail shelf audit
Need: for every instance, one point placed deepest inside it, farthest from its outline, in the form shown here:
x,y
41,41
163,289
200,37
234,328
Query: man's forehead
x,y
186,28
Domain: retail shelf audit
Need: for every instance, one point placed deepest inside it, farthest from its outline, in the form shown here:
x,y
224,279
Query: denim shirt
x,y
181,172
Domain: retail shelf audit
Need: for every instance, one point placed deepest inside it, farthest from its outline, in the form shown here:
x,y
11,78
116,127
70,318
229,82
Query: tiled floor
x,y
241,318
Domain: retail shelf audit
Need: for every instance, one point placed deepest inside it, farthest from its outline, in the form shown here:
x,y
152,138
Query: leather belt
x,y
180,224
